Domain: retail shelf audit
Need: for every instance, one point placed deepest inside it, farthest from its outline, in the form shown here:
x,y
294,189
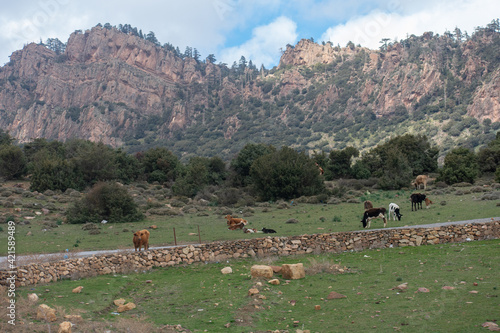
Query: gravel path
x,y
26,259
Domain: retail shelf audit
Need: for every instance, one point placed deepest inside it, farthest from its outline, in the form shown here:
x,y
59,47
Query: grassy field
x,y
48,233
200,298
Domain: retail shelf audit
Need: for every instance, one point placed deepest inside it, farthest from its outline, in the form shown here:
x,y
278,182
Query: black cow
x,y
373,213
416,200
268,231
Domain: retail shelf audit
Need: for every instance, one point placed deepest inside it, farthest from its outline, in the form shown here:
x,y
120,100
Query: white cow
x,y
394,211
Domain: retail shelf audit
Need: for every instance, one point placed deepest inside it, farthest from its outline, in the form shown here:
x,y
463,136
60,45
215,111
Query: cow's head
x,y
364,221
398,214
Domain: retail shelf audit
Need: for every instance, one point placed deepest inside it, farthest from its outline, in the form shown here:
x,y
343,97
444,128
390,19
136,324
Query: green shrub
x,y
460,165
285,174
105,201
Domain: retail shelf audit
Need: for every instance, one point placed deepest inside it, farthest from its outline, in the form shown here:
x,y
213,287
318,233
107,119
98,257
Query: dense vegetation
x,y
258,172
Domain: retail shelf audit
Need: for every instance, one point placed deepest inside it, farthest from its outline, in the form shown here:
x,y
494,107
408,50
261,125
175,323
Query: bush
x,y
285,174
105,201
460,165
12,162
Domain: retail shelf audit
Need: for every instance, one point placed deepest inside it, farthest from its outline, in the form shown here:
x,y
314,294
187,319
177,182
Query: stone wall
x,y
259,247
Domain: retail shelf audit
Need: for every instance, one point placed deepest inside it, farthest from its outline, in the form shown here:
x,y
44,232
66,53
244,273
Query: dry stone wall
x,y
39,273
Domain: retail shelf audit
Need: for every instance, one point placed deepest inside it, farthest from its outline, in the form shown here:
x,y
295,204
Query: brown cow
x,y
368,204
428,202
235,222
141,238
421,179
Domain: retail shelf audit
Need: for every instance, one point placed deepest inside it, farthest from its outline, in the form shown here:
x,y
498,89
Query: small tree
x,y
489,157
460,165
285,174
12,162
159,164
49,173
105,201
340,162
396,172
243,162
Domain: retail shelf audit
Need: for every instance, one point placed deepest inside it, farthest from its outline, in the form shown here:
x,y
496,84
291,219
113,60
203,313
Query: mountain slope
x,y
120,89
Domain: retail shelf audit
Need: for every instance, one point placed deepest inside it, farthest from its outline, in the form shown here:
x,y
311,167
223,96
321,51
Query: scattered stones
x,y
423,290
119,301
74,318
226,270
491,326
335,295
126,307
65,327
402,287
317,307
33,298
274,282
45,312
276,269
448,288
78,290
253,291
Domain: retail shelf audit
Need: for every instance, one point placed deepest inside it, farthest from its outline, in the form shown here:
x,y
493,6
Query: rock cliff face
x,y
400,82
99,89
115,87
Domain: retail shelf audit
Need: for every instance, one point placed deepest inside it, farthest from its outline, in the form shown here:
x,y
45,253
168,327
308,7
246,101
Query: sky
x,y
256,29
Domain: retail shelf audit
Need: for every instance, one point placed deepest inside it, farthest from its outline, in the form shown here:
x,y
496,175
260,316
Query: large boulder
x,y
261,271
46,313
226,270
33,298
126,307
65,327
293,271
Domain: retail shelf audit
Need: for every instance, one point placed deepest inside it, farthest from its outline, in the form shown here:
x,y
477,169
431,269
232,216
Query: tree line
x,y
271,173
261,171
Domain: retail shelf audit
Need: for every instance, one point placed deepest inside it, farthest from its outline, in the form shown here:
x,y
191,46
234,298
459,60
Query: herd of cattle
x,y
416,200
141,238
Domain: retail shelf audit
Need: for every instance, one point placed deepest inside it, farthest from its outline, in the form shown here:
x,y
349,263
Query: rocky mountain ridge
x,y
123,90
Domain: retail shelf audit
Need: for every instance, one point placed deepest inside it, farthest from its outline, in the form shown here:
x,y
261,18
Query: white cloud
x,y
264,46
434,16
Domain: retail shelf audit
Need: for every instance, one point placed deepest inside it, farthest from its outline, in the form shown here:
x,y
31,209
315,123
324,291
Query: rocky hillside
x,y
123,90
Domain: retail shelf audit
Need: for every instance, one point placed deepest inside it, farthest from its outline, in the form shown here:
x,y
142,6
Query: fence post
x,y
199,236
175,238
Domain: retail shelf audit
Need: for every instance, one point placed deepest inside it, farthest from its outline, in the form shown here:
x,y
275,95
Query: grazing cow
x,y
367,204
416,200
394,211
428,202
321,171
268,231
421,180
141,238
237,226
373,213
235,223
